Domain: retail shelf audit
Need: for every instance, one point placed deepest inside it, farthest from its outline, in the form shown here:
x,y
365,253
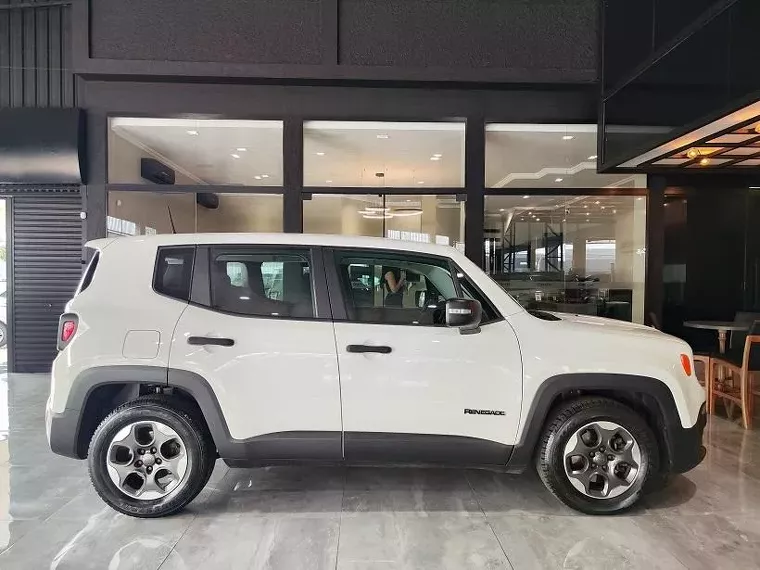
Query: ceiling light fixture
x,y
526,197
435,158
320,153
597,202
568,137
192,133
757,129
692,153
420,182
438,155
241,149
257,177
235,155
382,136
558,179
538,219
592,157
501,209
614,211
377,216
588,213
265,175
704,161
328,181
585,205
406,212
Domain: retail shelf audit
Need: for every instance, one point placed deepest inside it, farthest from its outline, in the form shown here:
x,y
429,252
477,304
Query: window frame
x,y
193,257
201,296
338,297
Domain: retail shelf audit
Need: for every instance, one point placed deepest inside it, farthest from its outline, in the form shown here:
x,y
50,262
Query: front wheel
x,y
597,455
149,458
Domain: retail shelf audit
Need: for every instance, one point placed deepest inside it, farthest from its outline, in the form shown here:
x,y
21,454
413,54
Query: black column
x,y
292,214
653,288
474,176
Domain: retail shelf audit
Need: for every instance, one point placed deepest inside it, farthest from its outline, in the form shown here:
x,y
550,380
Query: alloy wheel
x,y
602,460
147,460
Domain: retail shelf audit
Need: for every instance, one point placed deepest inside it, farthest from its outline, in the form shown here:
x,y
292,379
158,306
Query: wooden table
x,y
723,328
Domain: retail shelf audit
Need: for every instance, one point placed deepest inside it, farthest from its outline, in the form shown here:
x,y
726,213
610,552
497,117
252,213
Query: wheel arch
x,y
649,397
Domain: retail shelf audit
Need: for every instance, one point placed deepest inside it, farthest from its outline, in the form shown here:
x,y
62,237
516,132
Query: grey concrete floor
x,y
365,518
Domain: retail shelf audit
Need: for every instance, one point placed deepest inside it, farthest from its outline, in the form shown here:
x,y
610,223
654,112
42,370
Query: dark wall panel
x,y
35,57
244,31
46,262
539,34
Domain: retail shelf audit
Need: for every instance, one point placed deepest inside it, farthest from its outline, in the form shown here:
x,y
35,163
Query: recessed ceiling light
x,y
382,136
558,179
241,149
592,157
438,155
538,219
597,202
265,175
614,211
235,155
320,153
501,209
564,219
602,207
568,137
692,153
526,197
328,181
257,177
435,158
420,182
757,129
639,198
585,205
588,213
192,133
529,214
704,162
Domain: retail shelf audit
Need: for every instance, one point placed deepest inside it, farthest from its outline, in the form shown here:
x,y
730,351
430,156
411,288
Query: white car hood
x,y
587,323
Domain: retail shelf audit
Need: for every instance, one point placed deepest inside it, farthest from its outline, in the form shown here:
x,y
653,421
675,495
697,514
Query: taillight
x,y
67,328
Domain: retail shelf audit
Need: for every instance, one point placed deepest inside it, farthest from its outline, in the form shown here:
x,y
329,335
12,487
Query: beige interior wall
x,y
630,264
243,213
152,209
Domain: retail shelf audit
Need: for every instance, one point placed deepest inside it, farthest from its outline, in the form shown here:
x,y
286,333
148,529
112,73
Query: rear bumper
x,y
687,450
62,431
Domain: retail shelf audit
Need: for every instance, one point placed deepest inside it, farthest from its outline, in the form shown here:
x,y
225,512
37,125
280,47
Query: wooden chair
x,y
740,364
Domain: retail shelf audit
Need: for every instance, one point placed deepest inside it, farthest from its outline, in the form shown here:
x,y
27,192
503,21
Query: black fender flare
x,y
651,391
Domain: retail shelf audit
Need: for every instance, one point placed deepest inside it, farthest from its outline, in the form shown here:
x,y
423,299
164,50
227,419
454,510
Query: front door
x,y
263,341
414,390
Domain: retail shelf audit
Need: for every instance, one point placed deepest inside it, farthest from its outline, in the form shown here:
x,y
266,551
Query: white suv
x,y
268,349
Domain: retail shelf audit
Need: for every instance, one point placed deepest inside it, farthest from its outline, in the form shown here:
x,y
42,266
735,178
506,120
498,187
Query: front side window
x,y
174,271
395,289
263,283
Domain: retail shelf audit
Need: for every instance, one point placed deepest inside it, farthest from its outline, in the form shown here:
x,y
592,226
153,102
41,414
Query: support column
x,y
653,296
474,176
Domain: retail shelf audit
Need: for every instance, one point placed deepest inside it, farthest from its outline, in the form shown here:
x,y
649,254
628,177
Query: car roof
x,y
279,239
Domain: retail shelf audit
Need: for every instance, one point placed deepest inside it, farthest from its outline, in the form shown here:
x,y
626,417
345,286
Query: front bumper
x,y
687,450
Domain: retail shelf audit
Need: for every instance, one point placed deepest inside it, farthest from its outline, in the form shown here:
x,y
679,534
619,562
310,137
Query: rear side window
x,y
174,272
264,283
89,273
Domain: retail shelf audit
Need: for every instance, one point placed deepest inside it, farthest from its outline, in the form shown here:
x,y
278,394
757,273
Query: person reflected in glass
x,y
394,287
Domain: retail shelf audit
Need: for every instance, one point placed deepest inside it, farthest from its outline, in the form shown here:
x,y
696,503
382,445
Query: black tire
x,y
564,421
199,447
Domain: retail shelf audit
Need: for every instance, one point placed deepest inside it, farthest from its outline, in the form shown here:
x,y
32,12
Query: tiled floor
x,y
362,519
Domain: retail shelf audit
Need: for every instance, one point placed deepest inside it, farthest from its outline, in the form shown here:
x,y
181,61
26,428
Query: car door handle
x,y
210,340
359,348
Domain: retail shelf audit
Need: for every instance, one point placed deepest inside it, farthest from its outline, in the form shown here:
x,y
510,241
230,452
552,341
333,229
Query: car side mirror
x,y
464,314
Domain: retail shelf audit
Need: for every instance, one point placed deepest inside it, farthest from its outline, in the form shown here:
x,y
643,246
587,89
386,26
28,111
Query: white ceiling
x,y
353,153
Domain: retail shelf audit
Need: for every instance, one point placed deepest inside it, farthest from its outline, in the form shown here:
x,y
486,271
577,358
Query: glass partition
x,y
577,254
145,213
428,219
195,151
383,154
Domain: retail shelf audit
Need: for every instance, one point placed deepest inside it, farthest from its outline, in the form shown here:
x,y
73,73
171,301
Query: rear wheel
x,y
597,455
149,458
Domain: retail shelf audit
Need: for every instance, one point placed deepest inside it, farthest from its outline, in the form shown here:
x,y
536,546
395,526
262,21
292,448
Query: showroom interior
x,y
593,157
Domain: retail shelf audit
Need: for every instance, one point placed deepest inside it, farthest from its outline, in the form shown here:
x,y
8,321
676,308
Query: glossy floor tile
x,y
293,518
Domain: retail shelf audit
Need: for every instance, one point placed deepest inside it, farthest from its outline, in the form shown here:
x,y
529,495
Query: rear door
x,y
259,331
414,390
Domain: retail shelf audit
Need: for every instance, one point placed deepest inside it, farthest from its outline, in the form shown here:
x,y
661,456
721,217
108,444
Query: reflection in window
x,y
580,254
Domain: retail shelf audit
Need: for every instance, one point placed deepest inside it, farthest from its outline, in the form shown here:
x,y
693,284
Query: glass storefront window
x,y
146,213
383,154
547,156
578,254
427,219
197,151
